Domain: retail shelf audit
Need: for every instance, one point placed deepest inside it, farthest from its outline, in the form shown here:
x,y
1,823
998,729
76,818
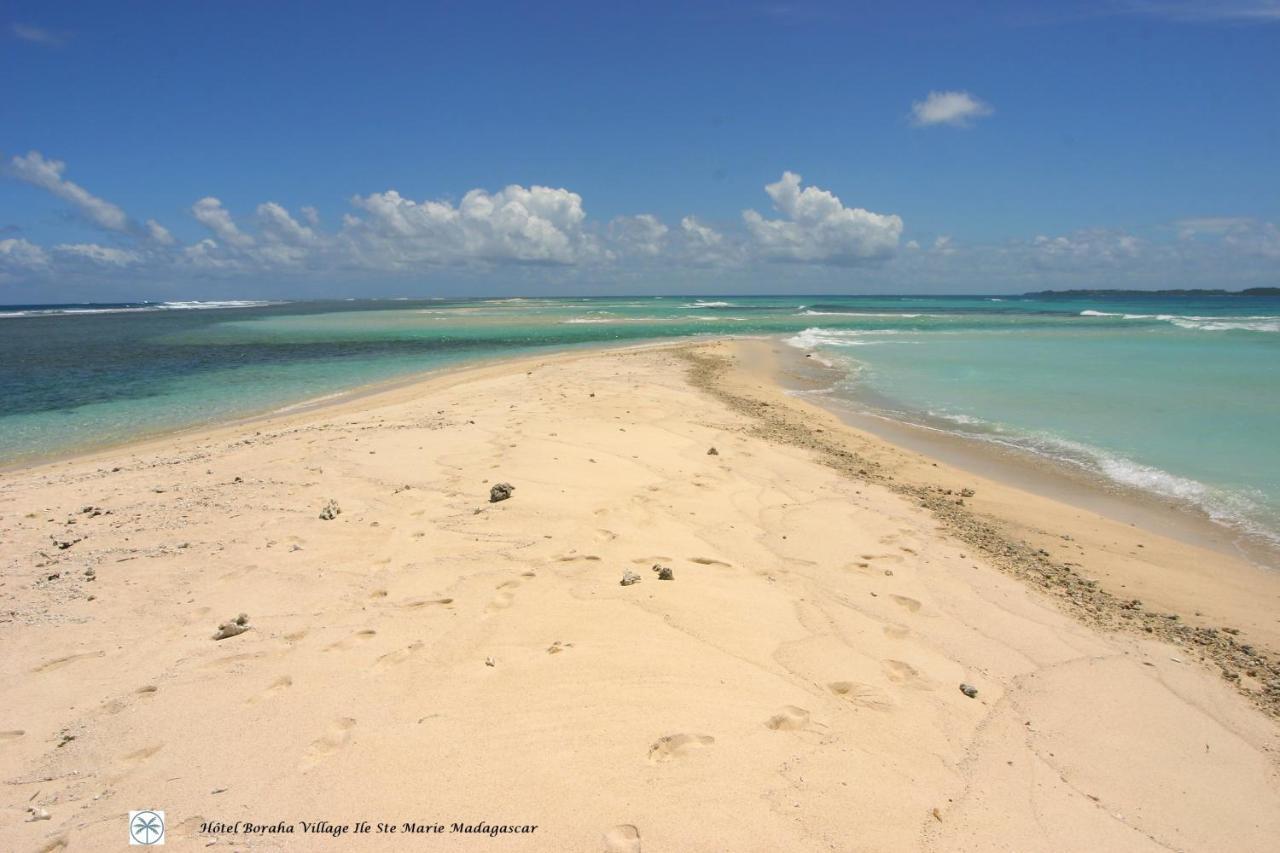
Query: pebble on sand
x,y
500,492
968,690
232,627
629,577
713,452
330,511
664,572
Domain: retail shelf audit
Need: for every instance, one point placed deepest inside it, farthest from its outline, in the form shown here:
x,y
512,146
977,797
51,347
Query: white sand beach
x,y
428,658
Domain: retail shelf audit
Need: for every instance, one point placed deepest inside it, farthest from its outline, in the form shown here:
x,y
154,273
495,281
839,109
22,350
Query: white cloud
x,y
36,35
818,228
387,234
638,235
1085,248
1211,225
47,174
104,255
959,109
207,256
18,253
702,245
515,225
210,213
276,223
1260,238
1199,11
159,234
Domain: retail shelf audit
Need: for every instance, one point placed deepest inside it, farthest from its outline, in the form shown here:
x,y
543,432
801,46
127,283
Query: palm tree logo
x,y
146,828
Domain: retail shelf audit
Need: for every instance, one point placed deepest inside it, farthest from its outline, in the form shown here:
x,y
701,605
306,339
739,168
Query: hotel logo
x,y
146,828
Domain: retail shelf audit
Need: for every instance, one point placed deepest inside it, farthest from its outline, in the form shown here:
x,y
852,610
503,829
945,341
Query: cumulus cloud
x,y
818,228
534,225
959,109
702,245
638,235
1085,248
47,174
277,225
210,213
386,234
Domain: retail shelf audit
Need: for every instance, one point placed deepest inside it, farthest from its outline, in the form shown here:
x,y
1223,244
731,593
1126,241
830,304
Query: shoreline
x,y
1017,529
1029,471
314,405
434,654
1020,469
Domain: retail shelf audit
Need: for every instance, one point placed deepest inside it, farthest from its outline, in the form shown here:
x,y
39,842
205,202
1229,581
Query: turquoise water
x,y
1176,395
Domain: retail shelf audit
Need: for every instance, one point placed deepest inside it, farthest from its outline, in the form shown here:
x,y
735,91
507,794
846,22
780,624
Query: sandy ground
x,y
429,657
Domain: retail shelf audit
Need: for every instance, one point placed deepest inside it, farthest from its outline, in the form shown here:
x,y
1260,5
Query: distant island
x,y
1252,291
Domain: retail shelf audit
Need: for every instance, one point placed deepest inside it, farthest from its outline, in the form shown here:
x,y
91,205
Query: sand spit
x,y
426,660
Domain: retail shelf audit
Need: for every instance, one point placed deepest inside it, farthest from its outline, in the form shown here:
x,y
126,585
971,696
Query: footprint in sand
x,y
58,663
398,656
284,682
573,558
901,672
228,661
897,632
623,838
788,719
677,746
707,561
128,763
354,640
862,695
335,738
11,734
505,596
140,755
414,603
187,828
910,604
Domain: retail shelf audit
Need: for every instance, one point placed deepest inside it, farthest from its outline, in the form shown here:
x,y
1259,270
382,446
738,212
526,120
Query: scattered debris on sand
x,y
664,572
629,577
330,511
64,544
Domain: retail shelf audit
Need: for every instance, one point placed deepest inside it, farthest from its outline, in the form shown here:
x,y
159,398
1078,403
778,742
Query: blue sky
x,y
1102,144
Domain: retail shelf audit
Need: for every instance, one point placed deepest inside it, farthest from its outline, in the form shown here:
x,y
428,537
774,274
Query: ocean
x,y
1178,396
